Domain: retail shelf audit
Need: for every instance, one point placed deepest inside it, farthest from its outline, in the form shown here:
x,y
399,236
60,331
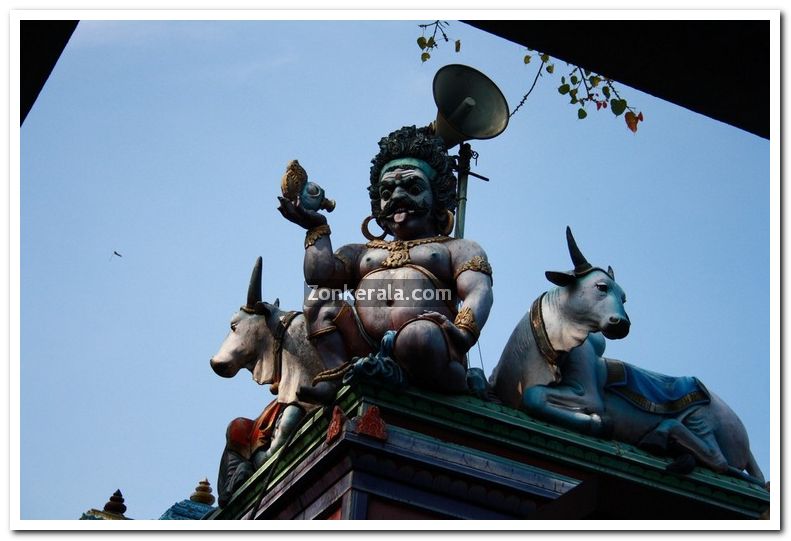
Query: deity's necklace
x,y
399,249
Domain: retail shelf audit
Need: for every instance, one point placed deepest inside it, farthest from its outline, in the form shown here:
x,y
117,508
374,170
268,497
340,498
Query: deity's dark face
x,y
425,188
406,201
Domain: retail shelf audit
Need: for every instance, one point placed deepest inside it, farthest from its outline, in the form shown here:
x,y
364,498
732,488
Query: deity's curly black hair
x,y
420,143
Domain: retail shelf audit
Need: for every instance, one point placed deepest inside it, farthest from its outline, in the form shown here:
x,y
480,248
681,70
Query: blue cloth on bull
x,y
652,392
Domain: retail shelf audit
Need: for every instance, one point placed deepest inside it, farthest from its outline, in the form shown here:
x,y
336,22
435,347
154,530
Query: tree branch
x,y
524,98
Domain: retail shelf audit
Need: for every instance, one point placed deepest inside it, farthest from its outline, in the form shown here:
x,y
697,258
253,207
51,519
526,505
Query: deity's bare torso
x,y
432,291
423,281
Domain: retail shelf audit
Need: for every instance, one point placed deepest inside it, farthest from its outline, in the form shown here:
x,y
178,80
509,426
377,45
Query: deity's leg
x,y
286,424
333,331
422,349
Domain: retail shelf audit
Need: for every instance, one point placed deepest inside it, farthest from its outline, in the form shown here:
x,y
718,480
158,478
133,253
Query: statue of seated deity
x,y
424,294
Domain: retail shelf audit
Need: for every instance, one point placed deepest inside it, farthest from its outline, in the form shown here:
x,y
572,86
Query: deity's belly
x,y
387,298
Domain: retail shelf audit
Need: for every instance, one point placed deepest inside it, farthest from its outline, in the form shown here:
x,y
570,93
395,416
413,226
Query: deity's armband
x,y
315,234
465,319
478,264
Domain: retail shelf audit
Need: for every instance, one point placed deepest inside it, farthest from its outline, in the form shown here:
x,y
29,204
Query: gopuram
x,y
378,414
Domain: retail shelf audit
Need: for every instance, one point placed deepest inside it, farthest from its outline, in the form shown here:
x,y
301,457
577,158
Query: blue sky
x,y
166,141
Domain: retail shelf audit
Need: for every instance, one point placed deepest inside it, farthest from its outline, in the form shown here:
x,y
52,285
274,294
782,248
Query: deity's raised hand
x,y
307,219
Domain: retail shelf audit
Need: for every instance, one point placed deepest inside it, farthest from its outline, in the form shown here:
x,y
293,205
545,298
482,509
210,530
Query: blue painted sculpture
x,y
552,368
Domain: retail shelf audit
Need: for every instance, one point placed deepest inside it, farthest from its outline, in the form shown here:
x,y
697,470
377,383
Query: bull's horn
x,y
611,272
581,264
254,290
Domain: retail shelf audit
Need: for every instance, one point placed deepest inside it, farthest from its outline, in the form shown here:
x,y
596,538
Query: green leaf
x,y
618,106
573,92
431,43
587,73
564,89
421,42
581,113
606,91
544,57
527,59
595,81
424,57
563,80
458,45
550,68
574,80
574,100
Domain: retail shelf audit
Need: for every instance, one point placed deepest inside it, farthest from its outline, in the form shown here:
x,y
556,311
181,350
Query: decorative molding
x,y
336,424
477,428
371,424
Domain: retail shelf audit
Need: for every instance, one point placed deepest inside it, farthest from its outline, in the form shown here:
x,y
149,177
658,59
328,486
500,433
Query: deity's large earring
x,y
367,234
449,227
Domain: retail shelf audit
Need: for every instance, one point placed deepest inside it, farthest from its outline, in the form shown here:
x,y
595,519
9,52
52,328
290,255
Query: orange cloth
x,y
246,436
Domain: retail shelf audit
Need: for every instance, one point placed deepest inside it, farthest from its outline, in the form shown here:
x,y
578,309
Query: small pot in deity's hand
x,y
295,186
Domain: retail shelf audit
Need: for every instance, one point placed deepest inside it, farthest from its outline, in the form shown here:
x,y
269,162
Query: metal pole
x,y
465,153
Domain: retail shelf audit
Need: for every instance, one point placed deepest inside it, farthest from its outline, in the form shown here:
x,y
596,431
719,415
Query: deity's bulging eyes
x,y
411,181
412,151
601,286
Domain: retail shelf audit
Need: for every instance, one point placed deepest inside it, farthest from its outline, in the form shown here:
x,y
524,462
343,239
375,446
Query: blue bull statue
x,y
552,367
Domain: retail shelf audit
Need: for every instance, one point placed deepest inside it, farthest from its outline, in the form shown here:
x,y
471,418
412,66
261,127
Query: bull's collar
x,y
277,347
541,337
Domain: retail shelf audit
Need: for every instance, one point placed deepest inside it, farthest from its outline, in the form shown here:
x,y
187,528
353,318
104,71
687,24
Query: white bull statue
x,y
552,368
272,344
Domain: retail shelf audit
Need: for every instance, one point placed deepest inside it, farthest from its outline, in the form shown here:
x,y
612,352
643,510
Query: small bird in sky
x,y
115,253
